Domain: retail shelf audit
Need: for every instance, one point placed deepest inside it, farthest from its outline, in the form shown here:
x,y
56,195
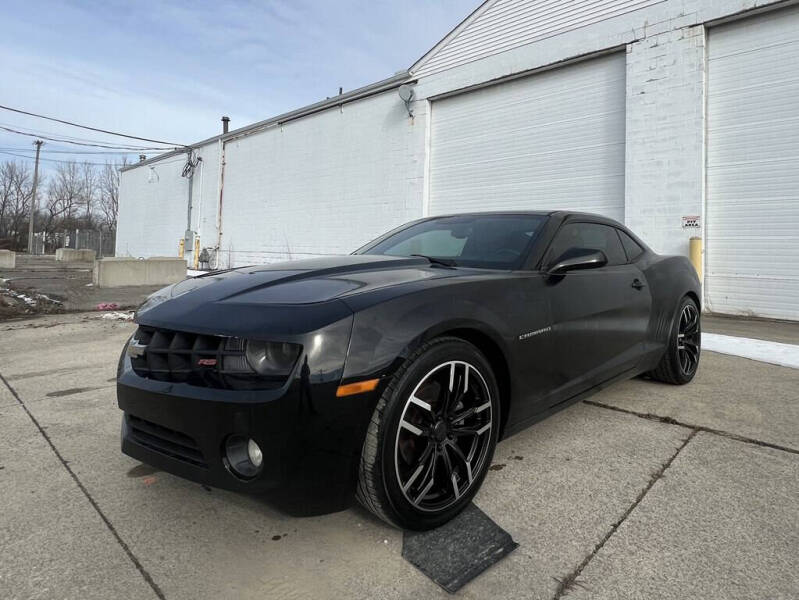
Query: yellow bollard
x,y
196,252
181,246
696,255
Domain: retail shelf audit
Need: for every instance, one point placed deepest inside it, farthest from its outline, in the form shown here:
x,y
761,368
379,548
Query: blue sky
x,y
169,70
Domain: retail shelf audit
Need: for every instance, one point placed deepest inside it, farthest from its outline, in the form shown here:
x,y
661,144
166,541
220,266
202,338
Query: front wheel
x,y
681,358
432,436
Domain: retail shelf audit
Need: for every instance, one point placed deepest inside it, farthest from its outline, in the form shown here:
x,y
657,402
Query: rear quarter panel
x,y
670,278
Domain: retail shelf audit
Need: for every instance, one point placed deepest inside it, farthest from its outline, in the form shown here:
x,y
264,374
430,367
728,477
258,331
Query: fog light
x,y
243,456
254,452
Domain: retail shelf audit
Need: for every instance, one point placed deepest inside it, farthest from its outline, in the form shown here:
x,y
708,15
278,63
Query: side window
x,y
630,246
592,236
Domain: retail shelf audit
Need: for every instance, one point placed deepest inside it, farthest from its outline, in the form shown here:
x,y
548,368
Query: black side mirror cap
x,y
576,259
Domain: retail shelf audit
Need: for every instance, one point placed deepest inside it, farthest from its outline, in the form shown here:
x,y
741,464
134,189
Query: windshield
x,y
483,241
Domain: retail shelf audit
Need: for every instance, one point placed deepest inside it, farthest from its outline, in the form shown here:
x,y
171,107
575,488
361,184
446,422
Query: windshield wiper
x,y
444,262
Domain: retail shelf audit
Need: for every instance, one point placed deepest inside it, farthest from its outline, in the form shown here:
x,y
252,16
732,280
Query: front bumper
x,y
310,439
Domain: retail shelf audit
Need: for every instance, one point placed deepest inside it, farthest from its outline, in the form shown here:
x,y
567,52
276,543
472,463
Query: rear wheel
x,y
432,436
681,358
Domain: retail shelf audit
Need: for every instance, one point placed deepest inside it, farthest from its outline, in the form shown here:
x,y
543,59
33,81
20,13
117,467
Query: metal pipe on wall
x,y
220,188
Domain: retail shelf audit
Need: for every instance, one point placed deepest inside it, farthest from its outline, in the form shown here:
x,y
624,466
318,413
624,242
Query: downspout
x,y
188,236
198,229
221,188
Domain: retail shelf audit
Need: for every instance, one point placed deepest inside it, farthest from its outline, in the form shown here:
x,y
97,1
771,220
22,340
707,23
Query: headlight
x,y
271,358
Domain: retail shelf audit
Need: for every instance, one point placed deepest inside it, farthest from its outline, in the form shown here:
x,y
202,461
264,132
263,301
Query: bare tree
x,y
64,198
89,186
108,196
15,197
81,196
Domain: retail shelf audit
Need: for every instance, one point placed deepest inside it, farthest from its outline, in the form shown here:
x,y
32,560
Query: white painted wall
x,y
665,44
665,137
153,201
323,184
328,182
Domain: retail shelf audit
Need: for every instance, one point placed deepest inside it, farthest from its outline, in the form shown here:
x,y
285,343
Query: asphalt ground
x,y
644,491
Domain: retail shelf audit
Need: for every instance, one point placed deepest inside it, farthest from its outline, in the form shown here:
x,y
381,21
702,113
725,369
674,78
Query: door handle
x,y
638,284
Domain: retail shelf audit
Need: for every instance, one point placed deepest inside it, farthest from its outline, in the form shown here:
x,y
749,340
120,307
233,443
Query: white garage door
x,y
752,231
554,140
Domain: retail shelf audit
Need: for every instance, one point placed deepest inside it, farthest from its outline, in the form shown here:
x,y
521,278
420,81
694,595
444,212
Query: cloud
x,y
169,70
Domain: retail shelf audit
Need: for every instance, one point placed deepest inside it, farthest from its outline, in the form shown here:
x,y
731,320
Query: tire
x,y
424,458
680,361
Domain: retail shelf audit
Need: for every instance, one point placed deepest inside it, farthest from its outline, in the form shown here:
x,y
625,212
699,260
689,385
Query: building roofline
x,y
454,32
363,92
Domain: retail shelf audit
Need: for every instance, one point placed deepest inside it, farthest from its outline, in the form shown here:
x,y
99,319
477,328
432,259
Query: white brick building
x,y
647,111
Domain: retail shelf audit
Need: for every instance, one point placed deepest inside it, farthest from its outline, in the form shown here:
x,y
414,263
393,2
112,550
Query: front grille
x,y
202,360
166,441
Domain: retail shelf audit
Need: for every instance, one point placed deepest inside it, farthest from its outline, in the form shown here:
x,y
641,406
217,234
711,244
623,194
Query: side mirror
x,y
576,259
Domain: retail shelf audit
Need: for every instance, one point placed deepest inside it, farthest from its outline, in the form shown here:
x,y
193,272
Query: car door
x,y
599,315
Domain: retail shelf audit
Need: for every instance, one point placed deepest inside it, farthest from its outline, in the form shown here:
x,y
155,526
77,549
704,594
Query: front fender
x,y
384,334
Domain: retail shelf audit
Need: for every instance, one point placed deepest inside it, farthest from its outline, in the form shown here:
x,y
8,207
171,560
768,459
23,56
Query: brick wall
x,y
664,175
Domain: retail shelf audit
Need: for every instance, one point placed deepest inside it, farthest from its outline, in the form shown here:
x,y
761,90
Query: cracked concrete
x,y
615,504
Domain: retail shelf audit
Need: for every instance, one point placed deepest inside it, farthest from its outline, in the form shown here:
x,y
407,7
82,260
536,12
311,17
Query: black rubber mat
x,y
458,551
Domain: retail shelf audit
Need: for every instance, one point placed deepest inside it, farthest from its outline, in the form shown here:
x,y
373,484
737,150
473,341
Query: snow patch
x,y
775,353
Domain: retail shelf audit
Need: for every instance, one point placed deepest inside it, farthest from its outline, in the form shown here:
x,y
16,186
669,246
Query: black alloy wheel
x,y
680,359
432,436
444,436
688,338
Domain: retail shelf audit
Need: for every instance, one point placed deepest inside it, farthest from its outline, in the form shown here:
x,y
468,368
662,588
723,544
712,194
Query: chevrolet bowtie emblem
x,y
135,349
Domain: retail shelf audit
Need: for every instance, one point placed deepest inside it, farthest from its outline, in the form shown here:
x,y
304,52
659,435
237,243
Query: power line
x,y
63,135
73,138
82,162
98,164
65,141
105,152
132,137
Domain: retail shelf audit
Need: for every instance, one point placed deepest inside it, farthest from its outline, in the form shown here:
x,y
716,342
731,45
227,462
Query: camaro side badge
x,y
529,334
135,349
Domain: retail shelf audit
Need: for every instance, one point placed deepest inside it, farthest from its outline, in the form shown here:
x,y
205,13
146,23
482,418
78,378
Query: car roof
x,y
563,214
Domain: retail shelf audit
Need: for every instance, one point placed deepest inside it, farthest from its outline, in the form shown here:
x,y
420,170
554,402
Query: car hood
x,y
293,290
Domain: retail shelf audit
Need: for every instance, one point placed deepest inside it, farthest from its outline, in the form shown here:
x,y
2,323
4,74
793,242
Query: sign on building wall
x,y
691,222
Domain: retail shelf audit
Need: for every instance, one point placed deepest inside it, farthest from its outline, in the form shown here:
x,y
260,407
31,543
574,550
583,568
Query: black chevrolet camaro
x,y
392,373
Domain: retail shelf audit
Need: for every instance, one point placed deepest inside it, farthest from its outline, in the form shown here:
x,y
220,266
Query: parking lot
x,y
645,490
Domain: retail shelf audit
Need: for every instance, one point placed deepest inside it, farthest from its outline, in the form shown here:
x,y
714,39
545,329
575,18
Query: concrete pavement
x,y
645,491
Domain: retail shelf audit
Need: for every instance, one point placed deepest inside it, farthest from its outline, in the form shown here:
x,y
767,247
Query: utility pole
x,y
38,144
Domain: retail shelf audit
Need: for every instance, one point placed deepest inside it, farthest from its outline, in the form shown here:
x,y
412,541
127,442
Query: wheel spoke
x,y
421,404
463,415
457,389
411,427
451,473
475,430
422,464
691,352
429,478
459,453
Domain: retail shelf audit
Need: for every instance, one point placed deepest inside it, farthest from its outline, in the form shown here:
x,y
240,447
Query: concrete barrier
x,y
118,271
8,259
70,255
